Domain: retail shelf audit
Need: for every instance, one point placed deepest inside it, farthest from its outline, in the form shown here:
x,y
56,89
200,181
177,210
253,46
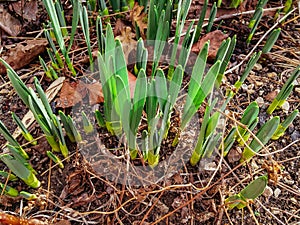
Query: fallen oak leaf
x,y
95,90
271,96
95,93
215,39
21,54
71,94
138,17
128,42
28,10
119,27
8,23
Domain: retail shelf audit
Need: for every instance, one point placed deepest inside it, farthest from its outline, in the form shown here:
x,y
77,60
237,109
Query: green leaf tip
x,y
264,134
250,192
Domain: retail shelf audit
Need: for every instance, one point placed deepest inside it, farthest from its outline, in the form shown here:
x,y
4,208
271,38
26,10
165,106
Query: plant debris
x,y
8,23
25,9
215,39
138,17
73,92
21,54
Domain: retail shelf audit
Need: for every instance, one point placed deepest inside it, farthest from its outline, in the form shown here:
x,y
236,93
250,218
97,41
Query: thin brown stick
x,y
148,212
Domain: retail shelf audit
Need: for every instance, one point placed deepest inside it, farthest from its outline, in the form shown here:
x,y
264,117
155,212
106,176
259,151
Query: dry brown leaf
x,y
138,17
21,54
63,222
119,27
26,9
248,5
8,23
71,94
234,155
128,42
271,95
81,200
177,179
95,93
215,37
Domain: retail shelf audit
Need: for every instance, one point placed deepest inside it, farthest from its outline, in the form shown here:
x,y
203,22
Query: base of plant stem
x,y
64,150
133,153
236,201
278,133
114,127
195,158
32,181
243,140
8,190
29,138
175,141
272,107
153,159
53,143
247,155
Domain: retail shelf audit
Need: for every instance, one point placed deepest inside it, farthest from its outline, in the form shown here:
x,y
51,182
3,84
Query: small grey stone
x,y
257,66
277,192
295,135
268,192
286,106
260,101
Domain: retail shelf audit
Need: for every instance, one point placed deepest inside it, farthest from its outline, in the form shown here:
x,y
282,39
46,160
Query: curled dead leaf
x,y
270,96
28,10
8,23
7,219
215,37
119,27
138,17
73,93
95,93
128,42
21,54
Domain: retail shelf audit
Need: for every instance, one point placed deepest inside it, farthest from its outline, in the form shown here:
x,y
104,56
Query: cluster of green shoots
x,y
155,94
